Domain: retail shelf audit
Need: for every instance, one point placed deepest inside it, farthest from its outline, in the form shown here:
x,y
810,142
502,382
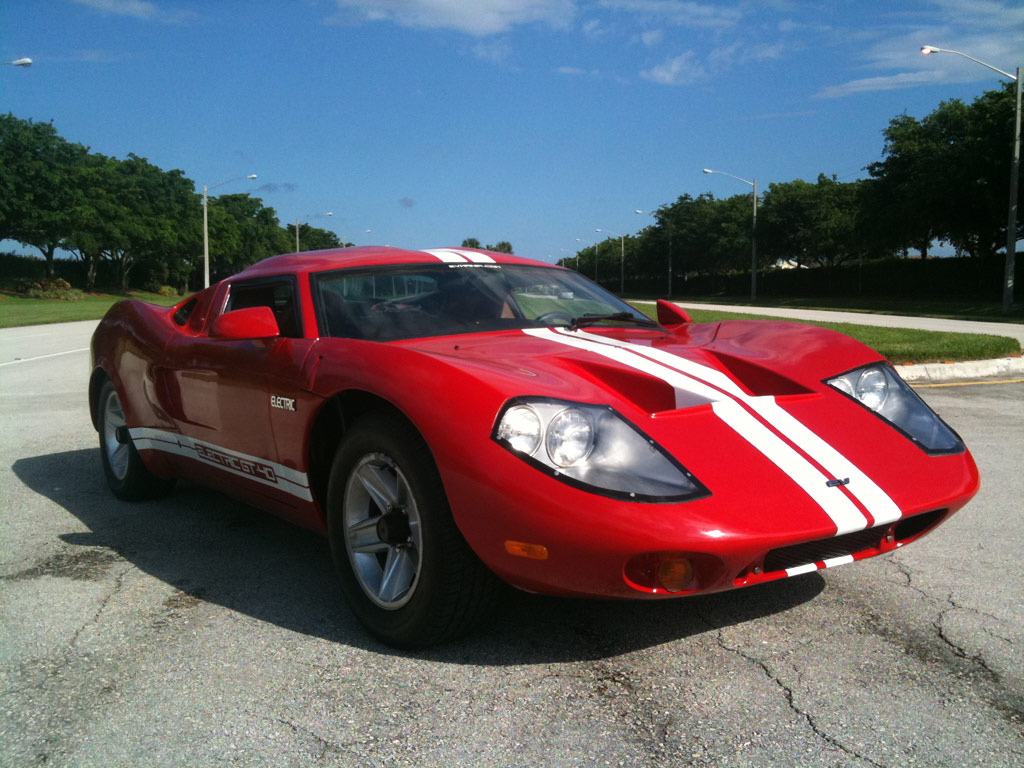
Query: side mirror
x,y
670,314
249,323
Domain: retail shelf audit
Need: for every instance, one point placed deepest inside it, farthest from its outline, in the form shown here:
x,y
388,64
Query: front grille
x,y
824,549
905,530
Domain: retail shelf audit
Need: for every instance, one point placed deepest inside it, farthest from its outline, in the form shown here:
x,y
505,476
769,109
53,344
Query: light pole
x,y
753,233
17,63
1011,215
206,226
622,257
329,213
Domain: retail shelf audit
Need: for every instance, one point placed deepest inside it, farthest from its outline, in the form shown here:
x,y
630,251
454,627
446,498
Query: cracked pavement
x,y
197,631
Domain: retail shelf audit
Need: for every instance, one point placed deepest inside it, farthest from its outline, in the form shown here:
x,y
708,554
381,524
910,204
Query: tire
x,y
406,571
126,475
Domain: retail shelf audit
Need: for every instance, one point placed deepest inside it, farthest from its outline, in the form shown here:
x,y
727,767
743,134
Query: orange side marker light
x,y
529,551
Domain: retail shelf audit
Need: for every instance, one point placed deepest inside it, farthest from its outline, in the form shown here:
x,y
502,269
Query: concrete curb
x,y
970,369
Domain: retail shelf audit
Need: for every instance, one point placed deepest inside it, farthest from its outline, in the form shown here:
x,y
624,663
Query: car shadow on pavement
x,y
215,549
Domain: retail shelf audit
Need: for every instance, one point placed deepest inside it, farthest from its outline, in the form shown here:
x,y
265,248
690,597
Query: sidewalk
x,y
975,369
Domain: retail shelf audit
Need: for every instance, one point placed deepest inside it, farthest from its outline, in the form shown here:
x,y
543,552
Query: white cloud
x,y
652,37
139,9
985,29
678,70
680,13
884,83
493,51
473,17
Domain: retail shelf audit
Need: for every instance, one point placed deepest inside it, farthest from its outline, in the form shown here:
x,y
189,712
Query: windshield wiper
x,y
627,317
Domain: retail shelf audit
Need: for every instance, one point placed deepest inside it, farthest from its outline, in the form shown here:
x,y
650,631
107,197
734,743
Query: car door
x,y
222,398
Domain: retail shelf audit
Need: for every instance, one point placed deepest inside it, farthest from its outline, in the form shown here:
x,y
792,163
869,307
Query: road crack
x,y
788,694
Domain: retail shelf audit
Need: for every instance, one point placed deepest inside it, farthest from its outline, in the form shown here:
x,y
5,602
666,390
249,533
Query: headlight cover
x,y
880,389
593,448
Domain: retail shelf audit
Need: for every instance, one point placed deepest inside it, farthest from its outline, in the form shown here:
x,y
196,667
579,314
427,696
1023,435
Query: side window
x,y
184,312
279,295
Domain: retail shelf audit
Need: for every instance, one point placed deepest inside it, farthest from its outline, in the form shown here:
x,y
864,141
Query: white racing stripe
x,y
882,508
728,401
265,472
832,562
459,256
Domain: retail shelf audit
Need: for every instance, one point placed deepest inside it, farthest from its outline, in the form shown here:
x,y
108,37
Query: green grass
x,y
956,309
898,345
16,309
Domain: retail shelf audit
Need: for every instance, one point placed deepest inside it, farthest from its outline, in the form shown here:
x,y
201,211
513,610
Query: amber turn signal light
x,y
675,574
529,551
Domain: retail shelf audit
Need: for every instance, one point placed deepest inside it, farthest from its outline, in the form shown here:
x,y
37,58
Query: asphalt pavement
x,y
197,631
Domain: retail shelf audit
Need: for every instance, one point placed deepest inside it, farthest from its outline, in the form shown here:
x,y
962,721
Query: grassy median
x,y
899,345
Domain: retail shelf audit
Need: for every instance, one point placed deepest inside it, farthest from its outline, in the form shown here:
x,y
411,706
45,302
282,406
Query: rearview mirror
x,y
248,323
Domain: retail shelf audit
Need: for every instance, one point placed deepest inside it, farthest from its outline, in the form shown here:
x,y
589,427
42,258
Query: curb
x,y
971,369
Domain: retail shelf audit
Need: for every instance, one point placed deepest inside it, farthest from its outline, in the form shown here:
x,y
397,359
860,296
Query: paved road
x,y
195,631
1013,330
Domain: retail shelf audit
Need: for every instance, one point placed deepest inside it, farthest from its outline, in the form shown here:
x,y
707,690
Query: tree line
x,y
942,179
57,195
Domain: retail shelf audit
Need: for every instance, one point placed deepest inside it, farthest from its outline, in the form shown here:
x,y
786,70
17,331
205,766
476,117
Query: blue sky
x,y
532,121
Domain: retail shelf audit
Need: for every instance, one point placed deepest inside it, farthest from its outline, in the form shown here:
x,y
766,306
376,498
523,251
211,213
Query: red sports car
x,y
455,418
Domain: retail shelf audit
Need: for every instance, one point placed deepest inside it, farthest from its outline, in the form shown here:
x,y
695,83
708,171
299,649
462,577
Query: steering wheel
x,y
554,318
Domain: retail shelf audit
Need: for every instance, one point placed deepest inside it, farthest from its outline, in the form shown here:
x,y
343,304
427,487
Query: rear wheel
x,y
408,574
126,475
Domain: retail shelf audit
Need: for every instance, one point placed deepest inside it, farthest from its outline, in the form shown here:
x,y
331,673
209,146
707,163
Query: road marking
x,y
967,383
43,357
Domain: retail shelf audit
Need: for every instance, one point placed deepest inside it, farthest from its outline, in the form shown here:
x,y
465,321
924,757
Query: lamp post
x,y
753,233
622,258
26,62
1011,215
329,213
206,226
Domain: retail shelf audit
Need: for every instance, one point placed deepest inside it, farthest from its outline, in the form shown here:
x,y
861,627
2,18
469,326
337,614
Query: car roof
x,y
377,255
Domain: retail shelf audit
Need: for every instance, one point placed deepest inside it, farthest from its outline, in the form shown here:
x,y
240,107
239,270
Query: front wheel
x,y
407,573
126,475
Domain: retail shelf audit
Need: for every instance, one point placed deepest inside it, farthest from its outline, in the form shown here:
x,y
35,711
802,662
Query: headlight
x,y
880,389
593,448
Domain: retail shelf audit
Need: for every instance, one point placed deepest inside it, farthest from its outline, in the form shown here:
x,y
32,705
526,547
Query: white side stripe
x,y
882,508
265,472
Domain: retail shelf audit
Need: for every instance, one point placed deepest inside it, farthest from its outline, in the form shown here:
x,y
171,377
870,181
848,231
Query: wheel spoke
x,y
399,572
379,484
363,536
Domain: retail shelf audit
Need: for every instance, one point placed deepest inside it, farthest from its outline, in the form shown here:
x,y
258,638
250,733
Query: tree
x,y
313,238
470,242
242,232
810,224
37,170
946,176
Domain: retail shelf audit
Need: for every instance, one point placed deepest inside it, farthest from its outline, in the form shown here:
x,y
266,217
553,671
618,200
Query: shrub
x,y
47,288
166,290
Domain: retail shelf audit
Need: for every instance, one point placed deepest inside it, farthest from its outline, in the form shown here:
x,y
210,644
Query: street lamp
x,y
329,213
753,233
1011,215
17,63
622,258
206,226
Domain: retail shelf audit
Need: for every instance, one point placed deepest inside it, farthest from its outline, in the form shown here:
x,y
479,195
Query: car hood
x,y
651,371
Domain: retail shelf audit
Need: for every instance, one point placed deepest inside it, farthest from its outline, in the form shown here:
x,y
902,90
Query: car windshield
x,y
413,301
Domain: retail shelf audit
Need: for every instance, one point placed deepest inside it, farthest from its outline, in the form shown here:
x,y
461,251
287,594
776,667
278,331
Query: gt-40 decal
x,y
853,503
252,467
